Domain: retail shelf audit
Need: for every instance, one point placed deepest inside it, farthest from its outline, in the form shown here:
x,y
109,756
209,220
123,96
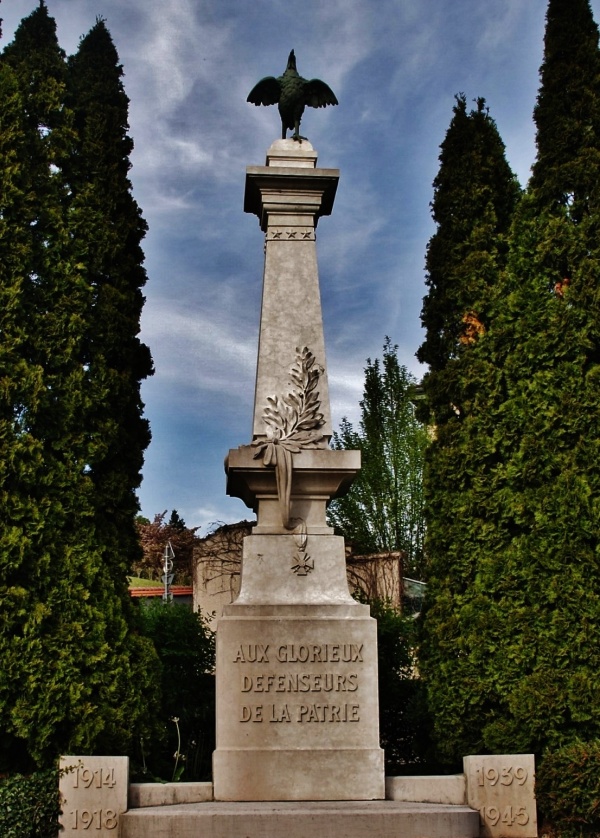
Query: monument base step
x,y
334,819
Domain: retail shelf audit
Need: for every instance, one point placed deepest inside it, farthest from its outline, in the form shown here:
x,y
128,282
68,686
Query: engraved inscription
x,y
304,683
98,778
328,713
501,788
300,653
251,713
96,819
300,713
320,653
505,776
93,794
492,815
252,653
297,679
280,713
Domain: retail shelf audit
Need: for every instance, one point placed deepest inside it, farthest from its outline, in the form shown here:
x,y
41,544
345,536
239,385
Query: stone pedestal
x,y
297,704
297,698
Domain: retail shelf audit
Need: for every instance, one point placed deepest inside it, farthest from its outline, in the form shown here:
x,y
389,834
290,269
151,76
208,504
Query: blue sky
x,y
395,66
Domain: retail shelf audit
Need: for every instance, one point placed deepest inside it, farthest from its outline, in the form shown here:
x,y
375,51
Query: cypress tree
x,y
15,261
108,230
19,376
475,197
73,673
512,640
475,194
567,113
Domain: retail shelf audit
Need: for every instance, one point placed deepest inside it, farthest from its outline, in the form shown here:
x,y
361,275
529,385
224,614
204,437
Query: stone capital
x,y
318,476
275,192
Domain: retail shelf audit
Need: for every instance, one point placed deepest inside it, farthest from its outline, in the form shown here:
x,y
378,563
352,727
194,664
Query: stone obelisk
x,y
297,700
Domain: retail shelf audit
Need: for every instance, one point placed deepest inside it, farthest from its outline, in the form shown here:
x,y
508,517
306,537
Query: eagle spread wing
x,y
266,92
317,94
292,93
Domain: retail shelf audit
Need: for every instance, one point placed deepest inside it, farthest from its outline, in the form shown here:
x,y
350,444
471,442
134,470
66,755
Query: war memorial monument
x,y
297,748
297,706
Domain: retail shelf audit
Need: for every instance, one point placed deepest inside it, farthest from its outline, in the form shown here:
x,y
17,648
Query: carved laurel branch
x,y
292,424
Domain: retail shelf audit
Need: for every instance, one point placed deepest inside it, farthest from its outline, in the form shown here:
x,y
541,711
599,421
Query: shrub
x,y
29,805
403,725
568,789
186,648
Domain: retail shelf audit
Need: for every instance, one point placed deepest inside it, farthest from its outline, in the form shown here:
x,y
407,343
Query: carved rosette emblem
x,y
293,423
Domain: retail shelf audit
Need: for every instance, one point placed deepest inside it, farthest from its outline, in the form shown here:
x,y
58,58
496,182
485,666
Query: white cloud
x,y
177,46
501,24
210,515
346,381
197,350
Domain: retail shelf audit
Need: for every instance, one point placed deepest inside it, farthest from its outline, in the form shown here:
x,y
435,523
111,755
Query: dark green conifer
x,y
20,381
108,229
475,198
567,113
74,676
475,194
512,630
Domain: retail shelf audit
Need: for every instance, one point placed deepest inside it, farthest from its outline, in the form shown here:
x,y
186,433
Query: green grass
x,y
138,582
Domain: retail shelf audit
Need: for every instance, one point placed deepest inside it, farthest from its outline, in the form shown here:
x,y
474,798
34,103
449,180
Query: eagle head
x,y
291,65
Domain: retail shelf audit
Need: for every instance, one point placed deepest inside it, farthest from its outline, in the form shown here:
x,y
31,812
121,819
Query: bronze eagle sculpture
x,y
292,93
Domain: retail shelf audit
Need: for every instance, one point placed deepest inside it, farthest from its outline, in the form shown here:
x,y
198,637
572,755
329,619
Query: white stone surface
x,y
291,153
288,200
291,317
165,794
268,575
93,793
501,788
318,475
297,706
450,789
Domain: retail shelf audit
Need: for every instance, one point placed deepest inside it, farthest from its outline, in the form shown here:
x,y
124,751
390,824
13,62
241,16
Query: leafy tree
x,y
153,537
383,511
75,674
512,630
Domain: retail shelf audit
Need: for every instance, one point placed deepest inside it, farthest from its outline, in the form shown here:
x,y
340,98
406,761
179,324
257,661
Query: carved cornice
x,y
271,190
